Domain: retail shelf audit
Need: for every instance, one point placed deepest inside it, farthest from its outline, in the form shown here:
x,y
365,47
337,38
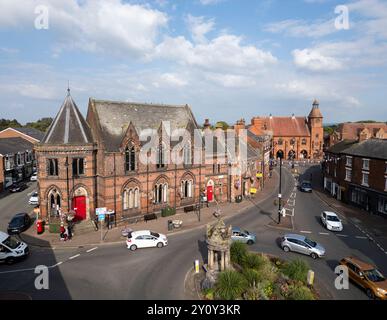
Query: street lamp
x,y
279,193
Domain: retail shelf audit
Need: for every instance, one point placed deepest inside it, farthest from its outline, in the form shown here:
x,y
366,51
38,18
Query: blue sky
x,y
227,59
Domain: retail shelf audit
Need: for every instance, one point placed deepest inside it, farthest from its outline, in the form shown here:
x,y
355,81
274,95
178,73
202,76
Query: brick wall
x,y
1,173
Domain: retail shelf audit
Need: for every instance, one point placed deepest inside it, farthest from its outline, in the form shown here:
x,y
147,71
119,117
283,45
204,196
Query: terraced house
x,y
97,162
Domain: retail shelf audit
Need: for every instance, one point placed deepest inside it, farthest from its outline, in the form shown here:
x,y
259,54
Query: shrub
x,y
238,252
209,294
267,271
253,261
296,270
231,285
252,277
167,212
297,292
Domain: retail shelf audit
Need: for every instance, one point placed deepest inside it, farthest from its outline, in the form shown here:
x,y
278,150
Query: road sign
x,y
101,217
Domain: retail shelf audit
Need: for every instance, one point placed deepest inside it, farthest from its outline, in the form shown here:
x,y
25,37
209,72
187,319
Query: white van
x,y
11,249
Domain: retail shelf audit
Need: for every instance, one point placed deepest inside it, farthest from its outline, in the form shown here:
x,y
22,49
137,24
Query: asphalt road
x,y
113,272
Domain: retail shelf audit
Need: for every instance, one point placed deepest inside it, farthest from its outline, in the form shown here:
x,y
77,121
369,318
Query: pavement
x,y
190,222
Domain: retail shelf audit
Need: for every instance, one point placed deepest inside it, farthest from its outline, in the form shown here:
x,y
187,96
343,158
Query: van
x,y
12,249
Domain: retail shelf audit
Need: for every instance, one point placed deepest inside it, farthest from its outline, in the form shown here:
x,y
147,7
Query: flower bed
x,y
261,277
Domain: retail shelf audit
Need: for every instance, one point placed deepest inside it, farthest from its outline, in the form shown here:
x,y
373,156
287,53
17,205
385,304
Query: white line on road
x,y
55,265
358,237
306,231
19,270
324,233
90,250
342,235
73,257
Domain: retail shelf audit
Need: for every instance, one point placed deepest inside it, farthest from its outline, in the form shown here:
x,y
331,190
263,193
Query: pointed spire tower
x,y
69,126
315,123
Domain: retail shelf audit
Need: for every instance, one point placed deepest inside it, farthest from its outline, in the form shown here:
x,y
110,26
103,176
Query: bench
x,y
189,208
151,216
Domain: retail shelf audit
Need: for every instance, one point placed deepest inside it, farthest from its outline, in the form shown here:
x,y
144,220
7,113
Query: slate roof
x,y
69,126
34,133
114,118
341,146
371,148
14,145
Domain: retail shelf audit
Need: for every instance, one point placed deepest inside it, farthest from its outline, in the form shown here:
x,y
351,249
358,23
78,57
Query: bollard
x,y
310,278
196,266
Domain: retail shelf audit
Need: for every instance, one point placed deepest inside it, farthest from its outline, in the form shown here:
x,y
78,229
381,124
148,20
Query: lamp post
x,y
67,183
279,193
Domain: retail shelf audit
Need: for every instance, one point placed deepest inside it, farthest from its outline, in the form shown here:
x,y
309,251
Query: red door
x,y
79,206
210,193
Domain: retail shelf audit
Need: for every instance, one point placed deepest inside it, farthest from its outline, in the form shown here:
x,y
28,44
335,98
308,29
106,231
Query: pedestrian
x,y
63,236
69,230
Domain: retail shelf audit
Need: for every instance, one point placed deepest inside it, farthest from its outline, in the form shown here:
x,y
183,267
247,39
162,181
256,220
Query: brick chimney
x,y
364,135
240,125
206,124
257,122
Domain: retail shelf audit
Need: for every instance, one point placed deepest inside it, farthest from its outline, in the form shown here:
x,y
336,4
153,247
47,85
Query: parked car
x,y
19,223
306,186
12,249
34,177
34,199
367,276
331,221
18,187
301,244
243,236
145,239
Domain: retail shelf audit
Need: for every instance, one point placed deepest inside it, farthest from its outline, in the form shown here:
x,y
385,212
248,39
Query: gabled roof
x,y
371,148
285,126
69,126
14,145
341,146
114,118
352,130
31,132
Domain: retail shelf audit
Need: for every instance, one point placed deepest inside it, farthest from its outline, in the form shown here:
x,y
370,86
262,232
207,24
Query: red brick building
x,y
356,173
293,137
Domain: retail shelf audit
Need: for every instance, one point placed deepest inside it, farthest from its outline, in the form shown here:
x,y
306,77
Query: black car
x,y
19,223
306,186
18,187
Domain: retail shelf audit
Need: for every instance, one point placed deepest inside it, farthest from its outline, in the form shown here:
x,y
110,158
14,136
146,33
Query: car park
x,y
18,187
331,221
366,276
34,199
306,186
301,244
145,239
244,236
19,223
12,249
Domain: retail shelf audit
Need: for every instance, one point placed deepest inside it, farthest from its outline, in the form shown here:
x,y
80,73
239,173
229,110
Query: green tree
x,y
5,123
42,124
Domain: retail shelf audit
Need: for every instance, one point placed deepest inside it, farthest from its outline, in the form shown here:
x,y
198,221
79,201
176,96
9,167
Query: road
x,y
113,272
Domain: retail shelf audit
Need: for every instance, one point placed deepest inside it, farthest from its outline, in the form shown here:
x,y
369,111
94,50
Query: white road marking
x,y
73,257
306,231
55,265
324,233
342,235
19,270
358,237
90,250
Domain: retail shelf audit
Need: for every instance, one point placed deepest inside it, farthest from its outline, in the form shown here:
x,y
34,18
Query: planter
x,y
54,227
167,212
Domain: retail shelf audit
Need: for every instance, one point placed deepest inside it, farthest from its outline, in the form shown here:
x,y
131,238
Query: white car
x,y
145,239
34,199
34,177
331,221
11,248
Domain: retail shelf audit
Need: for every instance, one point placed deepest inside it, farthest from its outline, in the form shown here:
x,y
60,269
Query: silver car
x,y
301,244
243,236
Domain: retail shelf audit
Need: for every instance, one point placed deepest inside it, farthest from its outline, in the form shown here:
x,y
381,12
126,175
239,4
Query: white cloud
x,y
315,61
231,80
199,27
172,80
210,2
93,25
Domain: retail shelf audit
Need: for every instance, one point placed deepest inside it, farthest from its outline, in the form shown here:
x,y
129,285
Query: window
x,y
52,166
161,156
187,154
293,141
131,198
130,159
365,179
366,164
382,205
349,161
186,189
18,159
303,141
335,172
280,142
78,167
385,183
160,193
348,174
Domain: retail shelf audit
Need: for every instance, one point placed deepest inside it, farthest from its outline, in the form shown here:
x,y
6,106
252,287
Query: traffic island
x,y
258,276
286,223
